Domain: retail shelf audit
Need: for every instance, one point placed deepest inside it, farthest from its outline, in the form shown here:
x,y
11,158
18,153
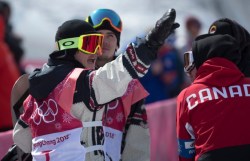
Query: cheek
x,y
105,40
114,45
111,40
81,57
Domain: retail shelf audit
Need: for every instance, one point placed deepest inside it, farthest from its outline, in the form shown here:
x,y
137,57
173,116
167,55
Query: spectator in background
x,y
173,74
193,28
156,87
9,73
166,72
13,40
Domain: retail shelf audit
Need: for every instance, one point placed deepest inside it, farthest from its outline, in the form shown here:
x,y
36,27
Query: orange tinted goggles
x,y
89,43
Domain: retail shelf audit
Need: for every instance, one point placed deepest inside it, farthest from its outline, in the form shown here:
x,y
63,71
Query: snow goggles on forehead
x,y
188,61
99,16
88,43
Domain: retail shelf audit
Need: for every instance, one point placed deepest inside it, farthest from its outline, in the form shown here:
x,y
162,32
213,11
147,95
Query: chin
x,y
91,67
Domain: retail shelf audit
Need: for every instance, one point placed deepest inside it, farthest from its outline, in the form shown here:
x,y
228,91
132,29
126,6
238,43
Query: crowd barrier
x,y
162,127
6,142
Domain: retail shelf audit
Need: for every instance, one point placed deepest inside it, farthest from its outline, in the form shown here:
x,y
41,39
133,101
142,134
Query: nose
x,y
105,41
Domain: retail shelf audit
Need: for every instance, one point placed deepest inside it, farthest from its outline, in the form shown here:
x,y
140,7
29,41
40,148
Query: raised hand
x,y
163,28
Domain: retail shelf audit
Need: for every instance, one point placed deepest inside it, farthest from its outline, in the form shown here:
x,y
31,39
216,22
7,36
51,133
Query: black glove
x,y
163,28
147,48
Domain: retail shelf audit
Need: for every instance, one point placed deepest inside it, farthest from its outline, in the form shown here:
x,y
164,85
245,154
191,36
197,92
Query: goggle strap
x,y
117,29
69,43
77,42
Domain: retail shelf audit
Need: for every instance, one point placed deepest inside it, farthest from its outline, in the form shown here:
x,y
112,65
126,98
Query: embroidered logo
x,y
119,117
45,111
67,118
110,107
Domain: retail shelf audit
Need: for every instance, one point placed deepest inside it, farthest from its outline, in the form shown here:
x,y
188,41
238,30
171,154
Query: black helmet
x,y
106,19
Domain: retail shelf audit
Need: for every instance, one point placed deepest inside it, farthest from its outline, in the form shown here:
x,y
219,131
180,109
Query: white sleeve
x,y
137,145
22,138
111,80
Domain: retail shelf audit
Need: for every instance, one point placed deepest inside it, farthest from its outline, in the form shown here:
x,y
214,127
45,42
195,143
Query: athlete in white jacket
x,y
63,90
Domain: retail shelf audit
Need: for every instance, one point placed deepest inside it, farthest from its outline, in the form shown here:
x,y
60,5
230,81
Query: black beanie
x,y
107,26
209,46
73,28
231,27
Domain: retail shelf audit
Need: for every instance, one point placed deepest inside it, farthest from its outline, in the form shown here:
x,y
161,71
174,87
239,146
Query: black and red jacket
x,y
213,114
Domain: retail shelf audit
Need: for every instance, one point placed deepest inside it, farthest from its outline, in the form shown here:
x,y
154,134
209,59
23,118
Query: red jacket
x,y
9,73
214,112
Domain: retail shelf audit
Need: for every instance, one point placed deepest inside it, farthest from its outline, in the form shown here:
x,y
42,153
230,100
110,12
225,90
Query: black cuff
x,y
22,123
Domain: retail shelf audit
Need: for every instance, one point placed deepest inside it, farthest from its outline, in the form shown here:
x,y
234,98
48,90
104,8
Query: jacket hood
x,y
218,72
228,26
209,46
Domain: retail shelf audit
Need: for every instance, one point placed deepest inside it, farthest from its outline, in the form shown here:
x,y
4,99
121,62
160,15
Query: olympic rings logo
x,y
47,112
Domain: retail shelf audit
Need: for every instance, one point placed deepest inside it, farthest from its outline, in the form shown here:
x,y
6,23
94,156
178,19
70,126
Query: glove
x,y
163,28
147,49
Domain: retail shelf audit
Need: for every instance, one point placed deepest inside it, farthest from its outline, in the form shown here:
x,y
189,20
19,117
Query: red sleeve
x,y
9,74
2,28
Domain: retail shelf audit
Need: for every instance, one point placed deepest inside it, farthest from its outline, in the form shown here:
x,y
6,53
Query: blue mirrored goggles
x,y
99,16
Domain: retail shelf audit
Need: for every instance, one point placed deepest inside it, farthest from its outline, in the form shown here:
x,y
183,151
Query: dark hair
x,y
191,21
